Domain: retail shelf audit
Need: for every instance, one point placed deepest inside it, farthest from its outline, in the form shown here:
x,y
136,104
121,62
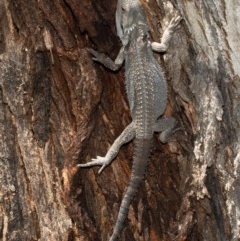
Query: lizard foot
x,y
165,136
174,23
99,57
99,161
106,61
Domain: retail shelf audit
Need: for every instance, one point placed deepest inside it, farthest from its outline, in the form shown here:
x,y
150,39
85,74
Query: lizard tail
x,y
140,161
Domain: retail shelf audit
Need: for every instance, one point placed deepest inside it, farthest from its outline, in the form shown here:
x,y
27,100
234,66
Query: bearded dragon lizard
x,y
147,95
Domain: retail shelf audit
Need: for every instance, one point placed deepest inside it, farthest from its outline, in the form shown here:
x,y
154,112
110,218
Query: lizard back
x,y
145,83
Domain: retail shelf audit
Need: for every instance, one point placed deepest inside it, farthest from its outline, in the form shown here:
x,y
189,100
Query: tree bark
x,y
58,108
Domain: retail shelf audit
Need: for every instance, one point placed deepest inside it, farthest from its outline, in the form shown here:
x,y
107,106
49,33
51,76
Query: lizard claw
x,y
174,22
99,161
94,53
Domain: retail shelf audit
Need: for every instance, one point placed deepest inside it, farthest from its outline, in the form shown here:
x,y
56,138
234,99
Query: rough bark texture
x,y
58,108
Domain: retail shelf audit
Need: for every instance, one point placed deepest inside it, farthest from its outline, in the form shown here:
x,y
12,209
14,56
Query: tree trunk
x,y
58,108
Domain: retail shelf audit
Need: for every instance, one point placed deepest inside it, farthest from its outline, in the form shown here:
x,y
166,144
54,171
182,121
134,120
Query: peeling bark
x,y
59,108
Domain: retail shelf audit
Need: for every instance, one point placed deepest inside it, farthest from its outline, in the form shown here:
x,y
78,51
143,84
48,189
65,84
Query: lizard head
x,y
128,14
136,28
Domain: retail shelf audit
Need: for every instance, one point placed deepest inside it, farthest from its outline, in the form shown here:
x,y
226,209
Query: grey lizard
x,y
147,95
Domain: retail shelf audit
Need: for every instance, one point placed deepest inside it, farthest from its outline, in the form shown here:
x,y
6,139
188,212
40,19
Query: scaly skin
x,y
124,6
147,95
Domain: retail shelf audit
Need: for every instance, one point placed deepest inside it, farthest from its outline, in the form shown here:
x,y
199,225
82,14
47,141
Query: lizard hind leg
x,y
165,125
126,136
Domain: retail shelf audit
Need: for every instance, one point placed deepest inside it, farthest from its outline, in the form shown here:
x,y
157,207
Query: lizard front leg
x,y
167,35
108,62
126,136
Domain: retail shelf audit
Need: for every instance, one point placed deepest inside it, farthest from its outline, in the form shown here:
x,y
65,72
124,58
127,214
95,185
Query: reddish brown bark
x,y
58,108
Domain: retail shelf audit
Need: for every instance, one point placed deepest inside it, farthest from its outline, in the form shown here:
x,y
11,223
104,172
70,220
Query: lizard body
x,y
147,95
